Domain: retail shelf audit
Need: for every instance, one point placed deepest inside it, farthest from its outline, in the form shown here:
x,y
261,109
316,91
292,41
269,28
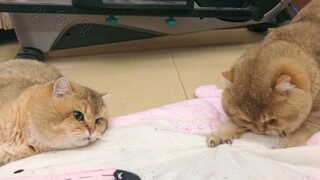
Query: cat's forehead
x,y
91,101
252,107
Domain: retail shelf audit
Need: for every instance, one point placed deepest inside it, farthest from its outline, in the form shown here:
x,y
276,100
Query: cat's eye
x,y
78,116
272,121
98,121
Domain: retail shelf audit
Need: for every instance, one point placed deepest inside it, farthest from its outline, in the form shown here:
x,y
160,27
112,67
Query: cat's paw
x,y
284,143
216,139
280,145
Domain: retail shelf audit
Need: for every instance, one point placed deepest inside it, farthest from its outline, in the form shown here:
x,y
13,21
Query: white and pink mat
x,y
169,143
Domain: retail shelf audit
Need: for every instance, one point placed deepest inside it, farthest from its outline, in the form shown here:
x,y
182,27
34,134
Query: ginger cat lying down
x,y
42,111
274,88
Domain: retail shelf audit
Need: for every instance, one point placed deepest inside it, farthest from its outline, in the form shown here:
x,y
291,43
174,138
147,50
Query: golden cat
x,y
42,111
274,88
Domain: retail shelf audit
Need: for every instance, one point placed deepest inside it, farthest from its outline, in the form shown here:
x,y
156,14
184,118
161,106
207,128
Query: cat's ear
x,y
106,99
61,87
283,83
227,78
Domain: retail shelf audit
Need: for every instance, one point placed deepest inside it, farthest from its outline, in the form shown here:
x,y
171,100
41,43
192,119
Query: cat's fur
x,y
274,87
37,106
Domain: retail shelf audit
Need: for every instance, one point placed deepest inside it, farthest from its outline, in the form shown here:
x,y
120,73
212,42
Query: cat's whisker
x,y
99,136
278,138
280,134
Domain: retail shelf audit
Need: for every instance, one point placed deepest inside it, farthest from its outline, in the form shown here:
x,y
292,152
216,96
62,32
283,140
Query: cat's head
x,y
66,115
272,100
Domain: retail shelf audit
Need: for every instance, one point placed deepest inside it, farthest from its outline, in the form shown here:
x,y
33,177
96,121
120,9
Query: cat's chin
x,y
95,136
258,132
83,142
88,140
276,133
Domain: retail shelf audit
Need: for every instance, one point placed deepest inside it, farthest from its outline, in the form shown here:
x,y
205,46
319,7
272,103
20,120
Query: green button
x,y
171,21
112,20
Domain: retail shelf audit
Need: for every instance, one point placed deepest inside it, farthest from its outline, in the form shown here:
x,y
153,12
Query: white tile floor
x,y
151,77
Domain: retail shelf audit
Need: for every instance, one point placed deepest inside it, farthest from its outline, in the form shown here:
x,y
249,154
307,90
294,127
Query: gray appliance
x,y
47,25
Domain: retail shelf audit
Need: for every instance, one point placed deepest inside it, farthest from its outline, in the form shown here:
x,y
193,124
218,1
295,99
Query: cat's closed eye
x,y
272,121
243,121
78,116
98,121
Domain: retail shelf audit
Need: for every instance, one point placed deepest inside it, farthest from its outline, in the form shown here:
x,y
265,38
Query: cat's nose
x,y
91,130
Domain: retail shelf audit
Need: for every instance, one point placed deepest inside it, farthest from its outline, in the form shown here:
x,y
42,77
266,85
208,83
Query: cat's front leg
x,y
4,157
225,134
301,136
9,152
295,139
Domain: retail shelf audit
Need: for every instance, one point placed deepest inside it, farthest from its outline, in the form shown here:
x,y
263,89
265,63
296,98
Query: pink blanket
x,y
202,114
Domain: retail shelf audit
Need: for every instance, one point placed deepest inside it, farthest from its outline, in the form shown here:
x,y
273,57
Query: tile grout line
x,y
174,62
